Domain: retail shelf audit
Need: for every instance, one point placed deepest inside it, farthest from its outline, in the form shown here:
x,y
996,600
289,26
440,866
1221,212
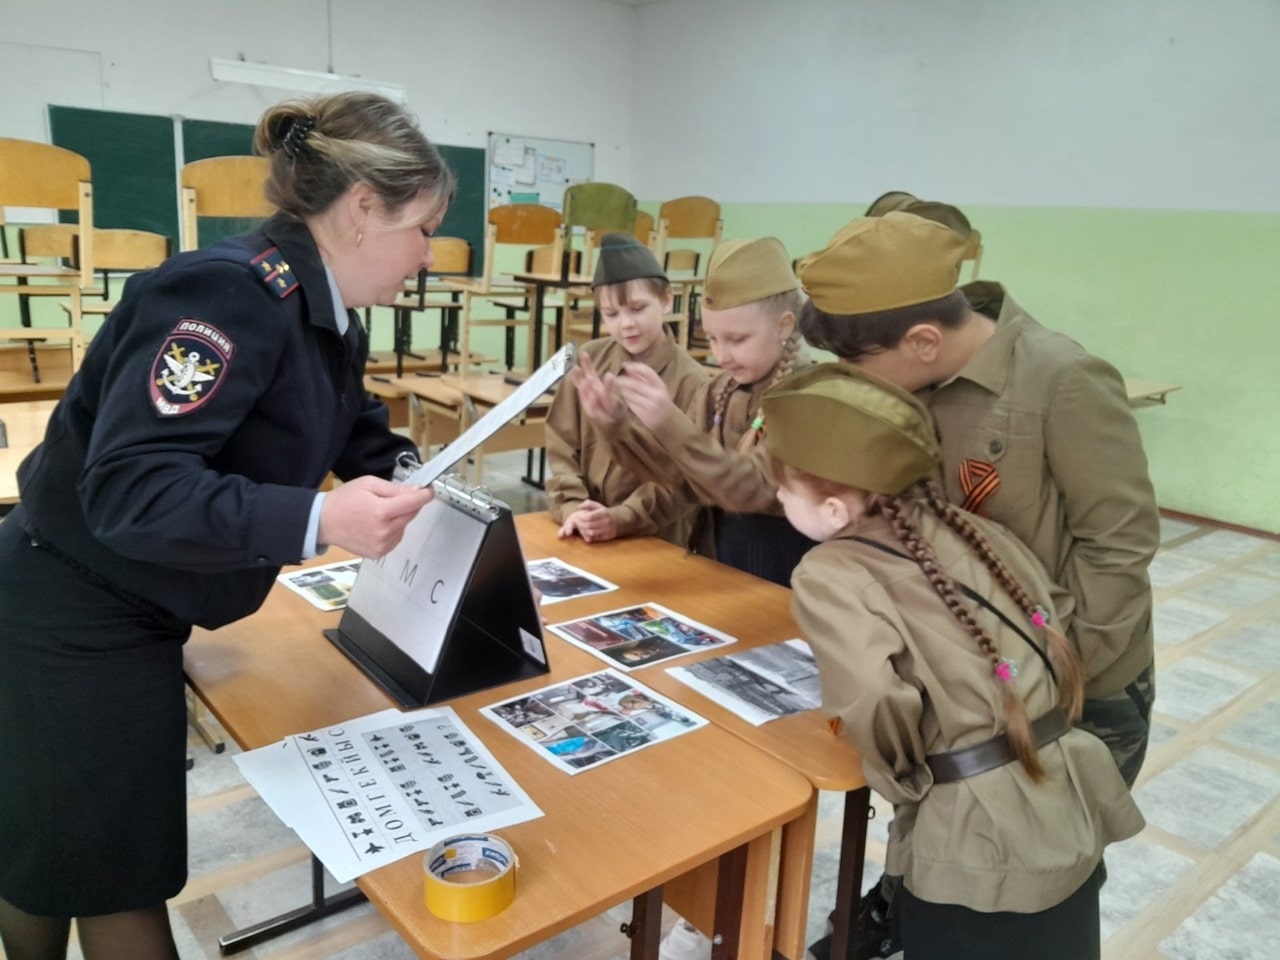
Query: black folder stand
x,y
494,635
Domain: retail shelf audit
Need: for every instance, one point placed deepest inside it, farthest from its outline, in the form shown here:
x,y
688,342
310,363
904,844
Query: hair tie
x,y
1006,670
296,130
1040,616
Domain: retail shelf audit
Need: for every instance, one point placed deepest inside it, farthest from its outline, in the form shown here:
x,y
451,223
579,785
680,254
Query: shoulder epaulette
x,y
275,272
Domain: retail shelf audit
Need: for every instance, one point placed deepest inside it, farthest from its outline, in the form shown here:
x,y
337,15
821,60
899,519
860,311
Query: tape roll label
x,y
469,878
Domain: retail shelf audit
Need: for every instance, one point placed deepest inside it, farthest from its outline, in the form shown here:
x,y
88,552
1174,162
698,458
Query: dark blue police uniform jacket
x,y
182,463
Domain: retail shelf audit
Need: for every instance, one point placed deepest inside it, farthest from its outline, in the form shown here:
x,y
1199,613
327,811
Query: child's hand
x,y
645,394
592,522
594,394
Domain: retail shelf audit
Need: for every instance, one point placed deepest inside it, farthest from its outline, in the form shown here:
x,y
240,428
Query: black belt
x,y
994,752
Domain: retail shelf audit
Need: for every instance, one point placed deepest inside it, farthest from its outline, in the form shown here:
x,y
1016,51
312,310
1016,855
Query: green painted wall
x,y
1187,297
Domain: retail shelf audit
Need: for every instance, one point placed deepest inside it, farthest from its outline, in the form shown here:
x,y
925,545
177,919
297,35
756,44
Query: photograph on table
x,y
556,580
758,685
591,720
326,587
639,636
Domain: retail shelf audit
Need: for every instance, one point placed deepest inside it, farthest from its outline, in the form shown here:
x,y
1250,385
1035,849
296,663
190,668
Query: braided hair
x,y
1062,657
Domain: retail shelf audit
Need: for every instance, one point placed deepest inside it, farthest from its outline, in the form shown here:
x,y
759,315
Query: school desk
x,y
461,400
757,613
615,833
16,380
541,282
24,425
1148,393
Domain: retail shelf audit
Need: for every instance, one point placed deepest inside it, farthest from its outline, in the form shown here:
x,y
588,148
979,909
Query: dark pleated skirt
x,y
764,545
940,931
93,722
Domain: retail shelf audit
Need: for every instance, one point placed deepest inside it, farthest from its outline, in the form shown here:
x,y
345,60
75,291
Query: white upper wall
x,y
554,68
1148,103
1171,104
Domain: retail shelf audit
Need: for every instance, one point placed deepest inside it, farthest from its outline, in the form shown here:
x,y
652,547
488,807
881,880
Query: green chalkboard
x,y
135,184
130,156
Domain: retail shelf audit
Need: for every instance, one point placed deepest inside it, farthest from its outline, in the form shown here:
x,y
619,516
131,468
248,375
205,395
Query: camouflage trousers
x,y
1123,723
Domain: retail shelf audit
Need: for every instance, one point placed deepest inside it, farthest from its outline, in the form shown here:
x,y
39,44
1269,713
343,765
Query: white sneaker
x,y
684,942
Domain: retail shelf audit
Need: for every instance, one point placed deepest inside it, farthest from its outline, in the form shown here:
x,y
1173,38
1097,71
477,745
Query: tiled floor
x,y
1202,881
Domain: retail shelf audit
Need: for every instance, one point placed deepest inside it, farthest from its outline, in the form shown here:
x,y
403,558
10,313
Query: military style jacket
x,y
1038,435
906,680
183,461
581,465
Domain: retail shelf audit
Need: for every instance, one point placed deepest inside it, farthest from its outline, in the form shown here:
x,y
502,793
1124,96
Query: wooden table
x,y
612,834
757,613
541,282
1148,393
24,425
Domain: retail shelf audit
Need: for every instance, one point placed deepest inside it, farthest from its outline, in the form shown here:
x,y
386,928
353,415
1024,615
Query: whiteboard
x,y
536,170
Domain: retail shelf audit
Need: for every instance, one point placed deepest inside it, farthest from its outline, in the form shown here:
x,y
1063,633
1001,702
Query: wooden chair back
x,y
124,251
452,255
682,260
646,228
222,187
689,218
521,224
47,241
597,208
40,175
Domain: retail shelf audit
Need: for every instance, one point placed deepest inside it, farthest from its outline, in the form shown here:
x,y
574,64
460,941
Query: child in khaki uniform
x,y
590,495
749,312
1036,434
935,635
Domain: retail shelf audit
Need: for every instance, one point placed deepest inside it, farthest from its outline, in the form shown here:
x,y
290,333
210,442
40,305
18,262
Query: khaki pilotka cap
x,y
901,202
841,423
621,258
744,271
880,263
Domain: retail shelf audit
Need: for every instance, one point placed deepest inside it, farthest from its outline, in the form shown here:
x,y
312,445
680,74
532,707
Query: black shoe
x,y
875,936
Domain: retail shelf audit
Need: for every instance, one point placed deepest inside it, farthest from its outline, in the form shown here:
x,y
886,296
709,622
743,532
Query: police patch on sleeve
x,y
189,368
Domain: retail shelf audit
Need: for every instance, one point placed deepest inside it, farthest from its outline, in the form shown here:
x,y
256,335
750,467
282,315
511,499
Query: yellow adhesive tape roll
x,y
469,878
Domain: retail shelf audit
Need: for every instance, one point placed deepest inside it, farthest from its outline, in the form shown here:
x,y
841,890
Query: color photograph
x,y
638,636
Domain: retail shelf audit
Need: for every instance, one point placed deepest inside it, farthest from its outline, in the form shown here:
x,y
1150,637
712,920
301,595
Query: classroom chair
x,y
646,229
689,218
453,258
223,187
594,209
510,226
118,253
58,181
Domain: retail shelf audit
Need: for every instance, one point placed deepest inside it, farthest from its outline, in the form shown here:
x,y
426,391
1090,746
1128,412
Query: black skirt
x,y
93,719
762,544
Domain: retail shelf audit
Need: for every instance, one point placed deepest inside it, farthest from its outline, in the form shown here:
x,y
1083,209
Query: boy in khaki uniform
x,y
935,636
589,494
1036,434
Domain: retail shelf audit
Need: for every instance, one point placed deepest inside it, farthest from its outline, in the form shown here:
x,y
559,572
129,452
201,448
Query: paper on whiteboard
x,y
509,153
542,380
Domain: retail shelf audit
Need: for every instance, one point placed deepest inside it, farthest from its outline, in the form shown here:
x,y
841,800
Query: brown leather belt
x,y
995,752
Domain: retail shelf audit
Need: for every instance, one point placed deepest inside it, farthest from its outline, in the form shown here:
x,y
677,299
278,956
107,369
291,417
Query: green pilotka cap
x,y
744,271
622,258
898,201
843,424
881,263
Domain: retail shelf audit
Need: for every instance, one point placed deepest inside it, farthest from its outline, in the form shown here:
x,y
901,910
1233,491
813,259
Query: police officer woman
x,y
178,473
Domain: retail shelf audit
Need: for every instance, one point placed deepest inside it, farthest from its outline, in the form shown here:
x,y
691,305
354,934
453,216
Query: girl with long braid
x,y
943,658
749,307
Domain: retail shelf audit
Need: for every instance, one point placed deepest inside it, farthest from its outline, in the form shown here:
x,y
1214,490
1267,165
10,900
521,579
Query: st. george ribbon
x,y
542,380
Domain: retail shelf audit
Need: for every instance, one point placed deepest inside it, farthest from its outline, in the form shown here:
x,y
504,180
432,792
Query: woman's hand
x,y
595,394
645,394
368,515
592,522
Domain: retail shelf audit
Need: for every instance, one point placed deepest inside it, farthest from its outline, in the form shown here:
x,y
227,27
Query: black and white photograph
x,y
758,685
556,581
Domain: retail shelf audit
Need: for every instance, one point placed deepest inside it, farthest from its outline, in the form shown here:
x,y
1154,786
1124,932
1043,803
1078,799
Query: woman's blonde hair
x,y
320,147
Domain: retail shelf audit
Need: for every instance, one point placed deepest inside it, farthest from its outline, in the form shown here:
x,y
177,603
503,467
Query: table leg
x,y
319,907
645,928
795,869
539,298
853,853
730,896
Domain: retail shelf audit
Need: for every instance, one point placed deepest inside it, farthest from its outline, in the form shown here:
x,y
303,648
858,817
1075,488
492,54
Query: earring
x,y
359,237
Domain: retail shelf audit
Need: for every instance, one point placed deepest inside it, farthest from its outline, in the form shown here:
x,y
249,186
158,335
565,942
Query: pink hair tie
x,y
1007,670
1040,616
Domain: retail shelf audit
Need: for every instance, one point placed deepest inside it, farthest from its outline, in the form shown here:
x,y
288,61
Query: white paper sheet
x,y
758,685
542,380
370,791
